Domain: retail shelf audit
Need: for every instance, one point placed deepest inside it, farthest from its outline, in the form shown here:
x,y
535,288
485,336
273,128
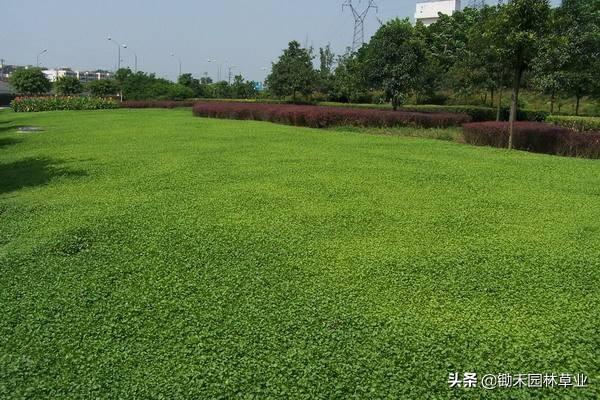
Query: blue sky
x,y
248,34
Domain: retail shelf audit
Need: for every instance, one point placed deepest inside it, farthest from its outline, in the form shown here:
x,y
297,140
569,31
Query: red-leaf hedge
x,y
157,103
325,116
536,137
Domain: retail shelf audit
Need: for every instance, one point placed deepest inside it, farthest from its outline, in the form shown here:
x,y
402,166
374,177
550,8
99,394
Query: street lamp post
x,y
119,45
179,59
218,66
38,57
135,58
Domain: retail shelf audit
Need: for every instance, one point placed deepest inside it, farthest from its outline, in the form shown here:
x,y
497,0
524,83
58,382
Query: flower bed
x,y
324,116
36,104
536,137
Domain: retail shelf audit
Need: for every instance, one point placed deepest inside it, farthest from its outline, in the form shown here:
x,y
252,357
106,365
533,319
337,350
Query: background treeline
x,y
497,62
133,86
476,56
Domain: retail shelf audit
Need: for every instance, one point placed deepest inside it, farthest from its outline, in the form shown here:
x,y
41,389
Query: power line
x,y
358,38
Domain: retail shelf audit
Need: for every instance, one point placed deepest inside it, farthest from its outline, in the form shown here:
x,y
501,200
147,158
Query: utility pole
x,y
231,67
358,38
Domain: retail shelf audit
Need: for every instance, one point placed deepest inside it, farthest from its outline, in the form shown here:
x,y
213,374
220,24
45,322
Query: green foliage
x,y
242,89
37,104
30,81
349,82
293,73
178,92
68,86
580,124
142,86
394,60
578,23
103,87
146,254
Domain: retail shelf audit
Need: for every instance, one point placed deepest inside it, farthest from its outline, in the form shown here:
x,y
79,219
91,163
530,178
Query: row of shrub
x,y
324,116
536,137
580,124
36,104
157,104
479,114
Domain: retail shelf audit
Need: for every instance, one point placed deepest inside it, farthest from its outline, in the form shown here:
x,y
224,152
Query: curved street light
x,y
179,59
119,45
38,57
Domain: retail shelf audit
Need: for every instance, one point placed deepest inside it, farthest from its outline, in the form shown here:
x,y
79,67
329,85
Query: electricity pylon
x,y
359,21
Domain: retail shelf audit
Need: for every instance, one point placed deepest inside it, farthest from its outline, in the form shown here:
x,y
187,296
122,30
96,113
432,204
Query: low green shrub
x,y
530,115
476,113
480,113
36,104
580,124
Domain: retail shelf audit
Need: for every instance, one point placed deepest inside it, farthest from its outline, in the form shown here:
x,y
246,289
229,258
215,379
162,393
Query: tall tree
x,y
30,81
293,73
242,89
519,30
103,87
446,43
348,83
395,59
579,24
68,85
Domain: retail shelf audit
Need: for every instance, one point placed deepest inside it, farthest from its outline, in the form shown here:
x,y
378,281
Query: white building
x,y
54,74
427,11
83,76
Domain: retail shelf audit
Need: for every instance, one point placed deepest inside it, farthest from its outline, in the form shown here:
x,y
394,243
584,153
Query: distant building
x,y
6,70
428,11
54,74
83,76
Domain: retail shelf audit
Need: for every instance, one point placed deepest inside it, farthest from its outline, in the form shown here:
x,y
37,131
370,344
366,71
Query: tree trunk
x,y
492,92
514,104
577,105
499,111
395,102
552,97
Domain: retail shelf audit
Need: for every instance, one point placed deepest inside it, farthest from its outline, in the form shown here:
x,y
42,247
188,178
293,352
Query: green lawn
x,y
149,254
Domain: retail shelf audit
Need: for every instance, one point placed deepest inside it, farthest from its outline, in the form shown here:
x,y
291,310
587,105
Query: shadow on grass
x,y
33,172
5,142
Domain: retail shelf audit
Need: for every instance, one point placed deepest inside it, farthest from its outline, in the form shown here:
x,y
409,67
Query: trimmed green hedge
x,y
36,104
580,124
479,114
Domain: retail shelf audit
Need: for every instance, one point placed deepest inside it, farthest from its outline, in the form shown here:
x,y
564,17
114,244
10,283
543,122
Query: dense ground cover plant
x,y
151,255
580,124
477,113
324,116
536,137
50,103
157,103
